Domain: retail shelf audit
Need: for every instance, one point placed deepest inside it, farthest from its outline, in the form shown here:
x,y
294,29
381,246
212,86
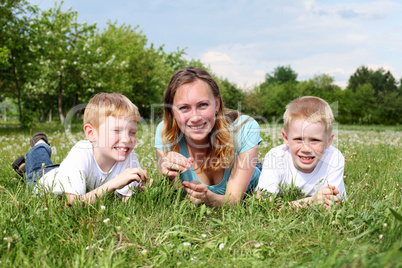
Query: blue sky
x,y
243,40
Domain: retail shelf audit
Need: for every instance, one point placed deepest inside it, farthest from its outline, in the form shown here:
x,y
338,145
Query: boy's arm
x,y
126,177
270,177
326,195
124,198
335,175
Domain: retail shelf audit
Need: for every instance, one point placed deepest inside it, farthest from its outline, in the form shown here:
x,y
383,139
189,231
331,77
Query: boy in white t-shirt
x,y
307,160
105,162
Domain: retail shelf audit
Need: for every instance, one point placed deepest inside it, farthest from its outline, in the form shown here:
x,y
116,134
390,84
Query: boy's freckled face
x,y
116,138
307,142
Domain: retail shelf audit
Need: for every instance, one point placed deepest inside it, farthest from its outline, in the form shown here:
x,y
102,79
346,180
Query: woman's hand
x,y
171,163
196,192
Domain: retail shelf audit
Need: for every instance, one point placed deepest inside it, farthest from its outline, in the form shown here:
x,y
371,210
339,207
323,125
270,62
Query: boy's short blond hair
x,y
312,109
103,105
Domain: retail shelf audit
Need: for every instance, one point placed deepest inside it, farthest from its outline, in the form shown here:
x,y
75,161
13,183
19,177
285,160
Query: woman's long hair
x,y
221,153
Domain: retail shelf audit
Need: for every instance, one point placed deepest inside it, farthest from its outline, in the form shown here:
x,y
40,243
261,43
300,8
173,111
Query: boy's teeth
x,y
305,158
122,149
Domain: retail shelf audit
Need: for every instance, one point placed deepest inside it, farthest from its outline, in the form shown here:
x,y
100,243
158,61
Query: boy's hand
x,y
196,191
174,162
128,176
326,195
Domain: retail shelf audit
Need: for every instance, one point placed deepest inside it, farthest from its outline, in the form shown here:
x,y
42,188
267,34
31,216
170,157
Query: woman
x,y
213,151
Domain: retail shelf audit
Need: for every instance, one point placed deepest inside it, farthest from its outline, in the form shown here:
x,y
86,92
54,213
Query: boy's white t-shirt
x,y
79,172
278,169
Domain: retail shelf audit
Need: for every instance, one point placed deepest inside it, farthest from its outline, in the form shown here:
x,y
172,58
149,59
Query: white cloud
x,y
214,57
309,4
341,84
260,72
240,73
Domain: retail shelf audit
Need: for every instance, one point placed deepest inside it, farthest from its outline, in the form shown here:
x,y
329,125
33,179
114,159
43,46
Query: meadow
x,y
159,227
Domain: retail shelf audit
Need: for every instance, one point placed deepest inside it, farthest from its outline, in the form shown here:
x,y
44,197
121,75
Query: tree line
x,y
49,63
371,96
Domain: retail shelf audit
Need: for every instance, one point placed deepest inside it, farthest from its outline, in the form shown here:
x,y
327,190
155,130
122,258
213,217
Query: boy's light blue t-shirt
x,y
247,137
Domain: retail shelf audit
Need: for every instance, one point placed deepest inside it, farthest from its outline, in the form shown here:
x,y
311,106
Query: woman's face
x,y
194,108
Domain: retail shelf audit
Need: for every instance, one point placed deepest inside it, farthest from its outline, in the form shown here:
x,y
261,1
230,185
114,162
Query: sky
x,y
243,40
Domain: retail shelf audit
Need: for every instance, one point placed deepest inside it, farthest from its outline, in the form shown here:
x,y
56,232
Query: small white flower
x,y
385,225
106,220
103,207
144,252
203,235
100,249
87,248
221,246
44,209
257,245
186,244
380,236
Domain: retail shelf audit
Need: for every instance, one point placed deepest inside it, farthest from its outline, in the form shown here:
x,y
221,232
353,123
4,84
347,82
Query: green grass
x,y
159,227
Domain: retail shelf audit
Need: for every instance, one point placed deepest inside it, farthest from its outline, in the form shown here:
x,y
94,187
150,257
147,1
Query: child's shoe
x,y
19,166
37,137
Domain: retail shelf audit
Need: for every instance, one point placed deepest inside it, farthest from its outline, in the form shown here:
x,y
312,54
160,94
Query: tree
x,y
382,81
4,55
320,86
58,38
386,93
128,65
18,62
281,75
274,98
364,104
391,108
253,104
231,95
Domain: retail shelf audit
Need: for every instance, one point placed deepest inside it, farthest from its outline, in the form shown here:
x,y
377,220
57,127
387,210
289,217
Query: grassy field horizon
x,y
159,227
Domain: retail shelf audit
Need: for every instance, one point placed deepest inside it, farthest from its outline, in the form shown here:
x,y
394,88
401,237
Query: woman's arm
x,y
237,185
